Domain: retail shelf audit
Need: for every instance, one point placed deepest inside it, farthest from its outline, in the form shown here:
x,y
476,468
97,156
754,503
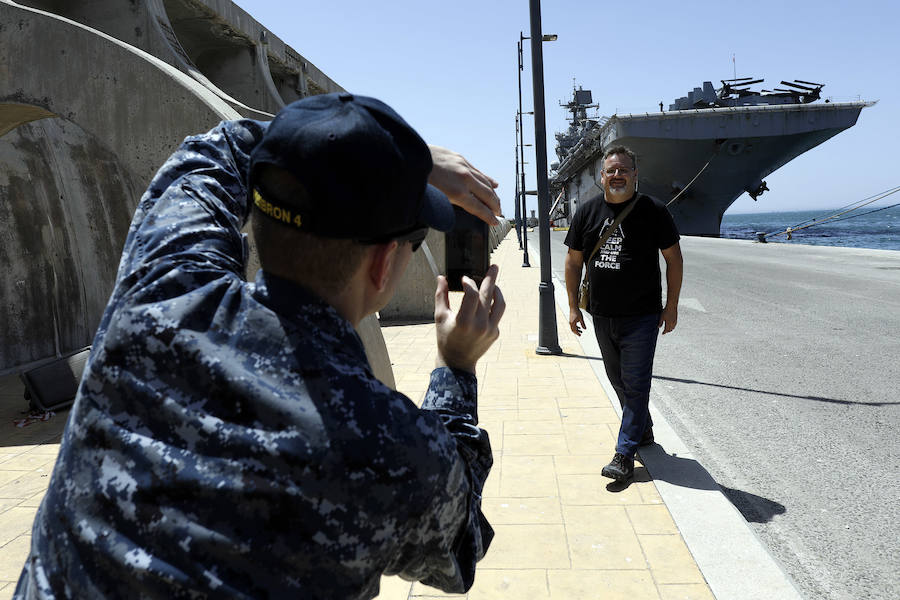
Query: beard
x,y
620,192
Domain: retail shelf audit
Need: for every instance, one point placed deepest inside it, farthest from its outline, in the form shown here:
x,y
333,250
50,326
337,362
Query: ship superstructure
x,y
706,150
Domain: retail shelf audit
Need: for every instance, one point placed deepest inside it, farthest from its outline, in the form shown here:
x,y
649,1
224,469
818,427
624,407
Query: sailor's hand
x,y
466,186
464,337
576,321
669,317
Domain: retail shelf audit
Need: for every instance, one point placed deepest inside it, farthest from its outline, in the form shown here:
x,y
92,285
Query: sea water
x,y
878,229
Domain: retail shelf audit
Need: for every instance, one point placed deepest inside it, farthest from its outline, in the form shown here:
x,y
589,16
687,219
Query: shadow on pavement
x,y
671,468
755,509
687,472
770,393
582,356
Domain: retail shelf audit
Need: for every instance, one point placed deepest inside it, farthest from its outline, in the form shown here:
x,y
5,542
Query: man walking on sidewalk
x,y
625,291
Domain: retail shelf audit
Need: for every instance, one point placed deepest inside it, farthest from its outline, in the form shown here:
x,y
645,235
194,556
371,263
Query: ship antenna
x,y
734,64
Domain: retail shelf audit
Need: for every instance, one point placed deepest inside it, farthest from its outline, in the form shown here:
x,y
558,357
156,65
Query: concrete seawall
x,y
94,96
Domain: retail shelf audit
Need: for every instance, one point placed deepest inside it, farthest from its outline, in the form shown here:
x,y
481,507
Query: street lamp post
x,y
521,174
517,203
547,337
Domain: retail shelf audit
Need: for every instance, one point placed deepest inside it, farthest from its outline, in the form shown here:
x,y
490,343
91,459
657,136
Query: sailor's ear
x,y
383,257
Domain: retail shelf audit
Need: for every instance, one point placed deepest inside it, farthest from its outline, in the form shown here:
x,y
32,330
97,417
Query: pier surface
x,y
782,380
774,449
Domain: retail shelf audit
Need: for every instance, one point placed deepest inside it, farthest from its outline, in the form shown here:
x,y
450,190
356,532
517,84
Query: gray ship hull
x,y
711,155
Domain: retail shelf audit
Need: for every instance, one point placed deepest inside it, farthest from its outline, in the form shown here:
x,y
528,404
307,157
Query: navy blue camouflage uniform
x,y
229,439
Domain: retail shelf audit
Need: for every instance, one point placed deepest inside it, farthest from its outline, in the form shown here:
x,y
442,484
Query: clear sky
x,y
449,68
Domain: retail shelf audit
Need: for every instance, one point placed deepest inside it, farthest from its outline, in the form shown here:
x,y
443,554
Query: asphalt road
x,y
783,377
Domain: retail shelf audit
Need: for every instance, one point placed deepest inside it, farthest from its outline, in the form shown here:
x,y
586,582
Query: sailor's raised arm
x,y
464,185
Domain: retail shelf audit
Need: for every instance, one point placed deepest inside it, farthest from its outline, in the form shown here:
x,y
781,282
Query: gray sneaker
x,y
621,468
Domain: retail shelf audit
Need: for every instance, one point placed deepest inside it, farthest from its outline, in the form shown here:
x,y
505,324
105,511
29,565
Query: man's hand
x,y
466,186
464,337
674,271
669,316
576,321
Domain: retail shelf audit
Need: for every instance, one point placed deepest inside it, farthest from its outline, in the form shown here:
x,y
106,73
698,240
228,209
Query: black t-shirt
x,y
625,277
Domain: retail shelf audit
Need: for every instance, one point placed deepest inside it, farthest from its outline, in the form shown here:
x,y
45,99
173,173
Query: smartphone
x,y
468,251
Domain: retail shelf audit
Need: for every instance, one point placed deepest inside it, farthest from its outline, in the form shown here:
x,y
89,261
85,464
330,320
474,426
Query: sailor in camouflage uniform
x,y
229,439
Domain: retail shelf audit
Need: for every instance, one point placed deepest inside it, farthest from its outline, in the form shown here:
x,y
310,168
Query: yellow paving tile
x,y
589,439
522,511
505,387
498,369
542,382
601,537
526,390
544,366
5,456
527,477
50,449
497,415
34,501
651,519
532,427
8,476
605,585
577,364
603,519
580,464
595,550
12,557
549,413
586,401
24,484
510,584
585,387
496,401
528,547
593,489
670,561
590,415
492,484
548,444
647,489
543,403
15,522
28,461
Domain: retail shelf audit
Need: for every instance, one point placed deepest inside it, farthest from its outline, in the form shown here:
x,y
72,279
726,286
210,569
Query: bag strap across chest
x,y
611,229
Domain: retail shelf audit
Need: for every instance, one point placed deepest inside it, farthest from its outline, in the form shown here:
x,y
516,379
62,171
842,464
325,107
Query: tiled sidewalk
x,y
562,530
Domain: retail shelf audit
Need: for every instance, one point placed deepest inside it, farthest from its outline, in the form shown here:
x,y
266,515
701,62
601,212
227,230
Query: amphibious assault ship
x,y
702,153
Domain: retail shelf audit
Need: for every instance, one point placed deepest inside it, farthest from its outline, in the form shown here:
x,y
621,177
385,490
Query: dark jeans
x,y
628,345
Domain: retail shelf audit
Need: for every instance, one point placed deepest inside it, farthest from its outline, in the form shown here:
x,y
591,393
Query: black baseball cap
x,y
362,169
